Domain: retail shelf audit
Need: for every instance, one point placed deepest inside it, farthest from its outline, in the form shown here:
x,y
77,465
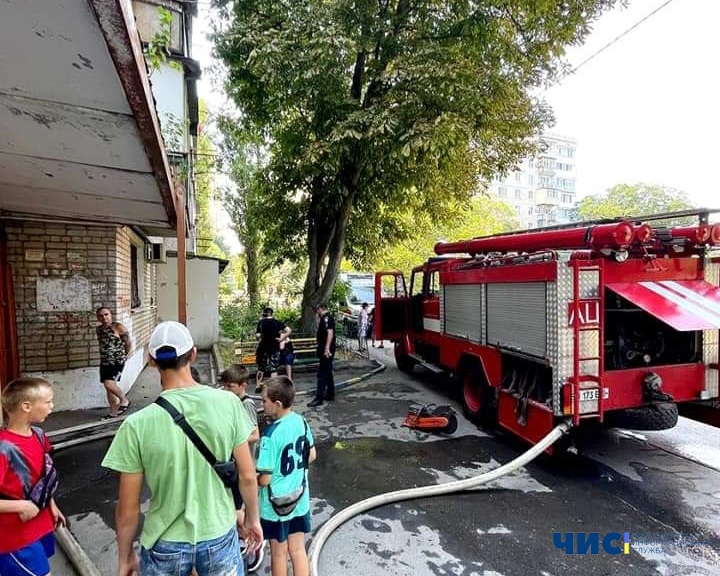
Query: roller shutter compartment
x,y
517,316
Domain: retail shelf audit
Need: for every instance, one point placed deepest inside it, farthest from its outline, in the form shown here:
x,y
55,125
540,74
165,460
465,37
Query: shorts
x,y
210,557
287,359
111,372
269,363
280,530
32,560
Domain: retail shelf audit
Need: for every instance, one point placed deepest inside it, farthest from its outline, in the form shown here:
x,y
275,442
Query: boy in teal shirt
x,y
286,449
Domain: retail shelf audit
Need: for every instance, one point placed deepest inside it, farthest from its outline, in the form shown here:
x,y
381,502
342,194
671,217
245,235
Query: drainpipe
x,y
181,255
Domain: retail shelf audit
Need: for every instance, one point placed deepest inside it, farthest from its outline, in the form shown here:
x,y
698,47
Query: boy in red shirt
x,y
28,513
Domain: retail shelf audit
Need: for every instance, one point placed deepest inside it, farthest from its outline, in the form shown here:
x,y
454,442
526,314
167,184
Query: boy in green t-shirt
x,y
286,449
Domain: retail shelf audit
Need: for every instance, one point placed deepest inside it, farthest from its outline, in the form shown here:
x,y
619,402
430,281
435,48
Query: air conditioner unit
x,y
155,252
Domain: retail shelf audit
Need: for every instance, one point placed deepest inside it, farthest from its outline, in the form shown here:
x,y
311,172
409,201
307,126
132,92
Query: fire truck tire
x,y
660,416
478,399
403,360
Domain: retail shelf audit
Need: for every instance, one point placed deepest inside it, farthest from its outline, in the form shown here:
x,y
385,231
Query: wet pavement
x,y
504,529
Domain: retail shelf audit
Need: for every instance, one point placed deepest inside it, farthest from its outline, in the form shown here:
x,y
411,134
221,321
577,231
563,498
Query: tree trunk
x,y
326,247
253,279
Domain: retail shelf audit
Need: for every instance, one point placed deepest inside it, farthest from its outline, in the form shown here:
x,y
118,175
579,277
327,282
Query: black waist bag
x,y
45,488
226,470
284,505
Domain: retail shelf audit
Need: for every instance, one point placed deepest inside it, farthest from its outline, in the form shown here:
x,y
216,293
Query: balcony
x,y
547,197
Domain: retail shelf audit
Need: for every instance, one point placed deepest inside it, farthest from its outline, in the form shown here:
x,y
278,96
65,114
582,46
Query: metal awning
x,y
79,134
683,304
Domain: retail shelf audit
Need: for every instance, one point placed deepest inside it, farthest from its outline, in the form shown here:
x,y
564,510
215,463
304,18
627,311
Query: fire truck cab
x,y
611,322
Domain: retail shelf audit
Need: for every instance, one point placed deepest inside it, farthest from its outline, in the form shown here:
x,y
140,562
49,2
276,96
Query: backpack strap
x,y
306,455
40,435
179,419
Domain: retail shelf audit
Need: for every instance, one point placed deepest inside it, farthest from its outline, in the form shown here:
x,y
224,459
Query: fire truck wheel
x,y
660,416
403,361
478,398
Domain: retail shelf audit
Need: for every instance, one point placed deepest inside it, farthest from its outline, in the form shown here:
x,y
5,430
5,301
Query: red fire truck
x,y
611,322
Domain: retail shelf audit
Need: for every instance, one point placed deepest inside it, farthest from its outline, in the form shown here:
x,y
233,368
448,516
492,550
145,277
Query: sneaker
x,y
254,559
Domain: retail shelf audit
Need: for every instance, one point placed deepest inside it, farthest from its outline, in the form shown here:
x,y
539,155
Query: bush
x,y
238,321
289,316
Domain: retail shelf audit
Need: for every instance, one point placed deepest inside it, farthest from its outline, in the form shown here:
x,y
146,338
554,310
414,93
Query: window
x,y
433,287
531,179
502,191
135,283
567,198
417,283
530,194
518,193
518,177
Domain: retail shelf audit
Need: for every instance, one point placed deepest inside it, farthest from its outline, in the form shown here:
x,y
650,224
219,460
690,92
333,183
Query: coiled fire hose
x,y
426,491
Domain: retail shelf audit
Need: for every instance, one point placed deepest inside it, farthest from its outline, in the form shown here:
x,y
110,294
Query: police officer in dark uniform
x,y
325,353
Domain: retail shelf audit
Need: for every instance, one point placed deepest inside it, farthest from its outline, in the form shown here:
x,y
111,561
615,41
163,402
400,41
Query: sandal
x,y
109,416
122,409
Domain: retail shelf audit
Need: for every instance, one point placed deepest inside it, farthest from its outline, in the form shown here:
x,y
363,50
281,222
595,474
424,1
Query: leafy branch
x,y
157,49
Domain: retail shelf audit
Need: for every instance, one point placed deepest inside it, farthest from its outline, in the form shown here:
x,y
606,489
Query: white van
x,y
362,289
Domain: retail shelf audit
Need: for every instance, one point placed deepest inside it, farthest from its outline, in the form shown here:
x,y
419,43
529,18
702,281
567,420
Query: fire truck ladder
x,y
588,339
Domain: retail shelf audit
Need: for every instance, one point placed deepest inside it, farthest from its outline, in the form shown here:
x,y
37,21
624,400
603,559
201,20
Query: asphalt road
x,y
503,529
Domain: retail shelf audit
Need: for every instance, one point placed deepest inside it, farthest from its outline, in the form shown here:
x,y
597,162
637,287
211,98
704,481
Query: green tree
x,y
243,158
379,110
208,242
633,200
481,217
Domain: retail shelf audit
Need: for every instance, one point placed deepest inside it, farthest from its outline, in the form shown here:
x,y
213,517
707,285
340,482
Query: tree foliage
x,y
481,217
380,113
633,200
243,159
208,242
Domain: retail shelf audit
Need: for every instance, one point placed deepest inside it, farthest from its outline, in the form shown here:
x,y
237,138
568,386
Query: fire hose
x,y
427,491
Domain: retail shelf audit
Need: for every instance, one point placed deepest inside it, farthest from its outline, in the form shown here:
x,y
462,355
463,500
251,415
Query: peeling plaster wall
x,y
62,273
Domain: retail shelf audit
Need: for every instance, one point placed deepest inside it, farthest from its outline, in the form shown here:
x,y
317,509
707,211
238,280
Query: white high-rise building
x,y
543,188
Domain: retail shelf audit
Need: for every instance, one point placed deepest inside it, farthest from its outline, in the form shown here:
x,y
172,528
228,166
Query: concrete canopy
x,y
79,135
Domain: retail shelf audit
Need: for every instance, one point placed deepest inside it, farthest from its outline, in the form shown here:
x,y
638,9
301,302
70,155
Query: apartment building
x,y
543,188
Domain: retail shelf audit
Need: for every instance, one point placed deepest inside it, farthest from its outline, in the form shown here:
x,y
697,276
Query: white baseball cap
x,y
170,334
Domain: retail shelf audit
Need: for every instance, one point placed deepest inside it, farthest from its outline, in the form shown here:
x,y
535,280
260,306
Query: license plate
x,y
593,394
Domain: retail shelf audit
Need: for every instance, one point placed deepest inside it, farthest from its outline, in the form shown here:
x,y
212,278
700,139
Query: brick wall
x,y
56,328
